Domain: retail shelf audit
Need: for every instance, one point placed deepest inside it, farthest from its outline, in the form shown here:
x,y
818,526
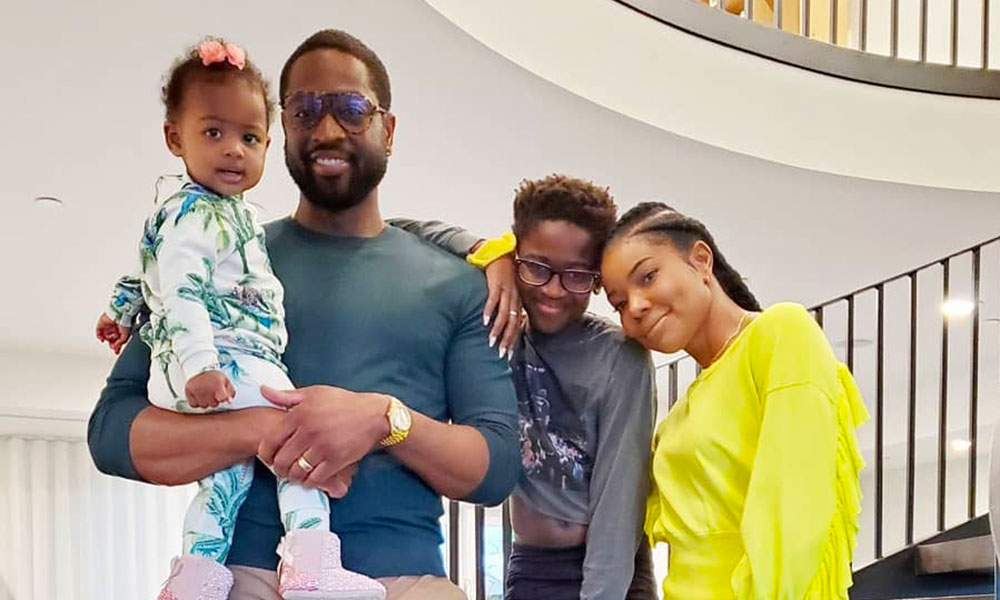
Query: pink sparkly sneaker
x,y
196,578
310,569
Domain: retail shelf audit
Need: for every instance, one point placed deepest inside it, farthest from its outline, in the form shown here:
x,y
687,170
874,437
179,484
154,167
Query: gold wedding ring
x,y
304,464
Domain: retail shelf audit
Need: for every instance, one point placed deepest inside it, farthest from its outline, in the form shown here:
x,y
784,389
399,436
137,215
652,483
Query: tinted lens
x,y
533,273
353,111
578,282
304,110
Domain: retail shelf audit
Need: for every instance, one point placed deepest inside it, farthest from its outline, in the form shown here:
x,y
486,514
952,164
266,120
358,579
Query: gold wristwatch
x,y
399,423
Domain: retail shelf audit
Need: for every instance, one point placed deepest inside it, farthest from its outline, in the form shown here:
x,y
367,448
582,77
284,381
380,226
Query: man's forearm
x,y
452,459
170,448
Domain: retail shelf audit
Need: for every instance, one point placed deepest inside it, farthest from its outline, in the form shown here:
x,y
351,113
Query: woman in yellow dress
x,y
755,470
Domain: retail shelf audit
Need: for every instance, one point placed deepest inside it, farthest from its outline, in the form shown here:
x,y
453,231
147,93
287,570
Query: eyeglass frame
x,y
594,286
371,117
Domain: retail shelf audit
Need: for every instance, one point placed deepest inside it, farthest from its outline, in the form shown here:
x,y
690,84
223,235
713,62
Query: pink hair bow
x,y
214,51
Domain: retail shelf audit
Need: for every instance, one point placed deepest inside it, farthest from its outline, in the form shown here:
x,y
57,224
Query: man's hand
x,y
503,305
209,389
114,334
332,429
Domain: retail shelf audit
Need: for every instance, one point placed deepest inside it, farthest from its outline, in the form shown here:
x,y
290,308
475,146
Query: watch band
x,y
395,435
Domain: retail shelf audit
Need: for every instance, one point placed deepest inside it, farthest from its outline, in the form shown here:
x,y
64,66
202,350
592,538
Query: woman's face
x,y
662,295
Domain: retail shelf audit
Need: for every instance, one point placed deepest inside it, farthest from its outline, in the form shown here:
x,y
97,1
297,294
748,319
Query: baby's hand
x,y
114,334
209,389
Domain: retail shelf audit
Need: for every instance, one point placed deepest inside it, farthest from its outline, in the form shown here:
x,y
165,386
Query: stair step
x,y
966,597
974,554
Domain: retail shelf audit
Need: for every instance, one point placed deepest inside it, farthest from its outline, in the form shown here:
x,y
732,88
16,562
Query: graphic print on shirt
x,y
553,437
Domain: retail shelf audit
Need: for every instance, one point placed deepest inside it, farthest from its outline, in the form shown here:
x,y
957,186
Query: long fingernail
x,y
493,340
486,320
502,351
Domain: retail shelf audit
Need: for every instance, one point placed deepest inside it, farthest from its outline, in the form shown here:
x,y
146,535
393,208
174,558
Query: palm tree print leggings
x,y
209,523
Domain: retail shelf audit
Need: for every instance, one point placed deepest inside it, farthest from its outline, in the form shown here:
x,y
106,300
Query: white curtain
x,y
68,532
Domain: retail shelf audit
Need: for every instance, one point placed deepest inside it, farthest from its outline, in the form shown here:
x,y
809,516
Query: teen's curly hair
x,y
563,198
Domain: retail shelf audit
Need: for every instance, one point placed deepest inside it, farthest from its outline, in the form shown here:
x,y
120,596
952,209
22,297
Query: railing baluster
x,y
863,27
986,34
748,9
954,33
819,316
974,384
834,10
453,549
894,29
923,30
672,385
943,407
911,415
804,16
508,538
850,333
480,573
777,14
879,418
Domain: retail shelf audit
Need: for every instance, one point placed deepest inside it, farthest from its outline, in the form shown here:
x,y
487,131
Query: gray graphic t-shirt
x,y
586,404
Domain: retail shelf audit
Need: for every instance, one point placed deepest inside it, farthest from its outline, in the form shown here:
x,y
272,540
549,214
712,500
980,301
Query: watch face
x,y
400,418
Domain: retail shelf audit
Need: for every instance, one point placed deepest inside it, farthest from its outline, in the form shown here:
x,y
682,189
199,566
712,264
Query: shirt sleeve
x,y
619,483
186,261
799,521
480,393
450,238
126,299
120,402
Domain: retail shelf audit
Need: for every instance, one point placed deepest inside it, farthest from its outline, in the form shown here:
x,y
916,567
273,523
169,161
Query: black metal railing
x,y
908,286
478,569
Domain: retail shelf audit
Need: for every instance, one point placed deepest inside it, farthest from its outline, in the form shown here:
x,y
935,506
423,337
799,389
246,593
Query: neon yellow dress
x,y
756,470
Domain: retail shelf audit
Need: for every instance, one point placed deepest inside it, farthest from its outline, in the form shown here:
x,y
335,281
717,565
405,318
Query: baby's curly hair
x,y
563,198
189,69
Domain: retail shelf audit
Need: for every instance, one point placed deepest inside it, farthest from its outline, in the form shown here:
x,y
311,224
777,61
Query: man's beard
x,y
363,175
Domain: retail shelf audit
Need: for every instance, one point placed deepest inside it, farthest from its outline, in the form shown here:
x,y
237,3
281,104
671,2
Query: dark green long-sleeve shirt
x,y
390,314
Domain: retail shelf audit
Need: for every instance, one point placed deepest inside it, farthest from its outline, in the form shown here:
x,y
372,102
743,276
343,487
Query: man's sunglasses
x,y
574,281
354,112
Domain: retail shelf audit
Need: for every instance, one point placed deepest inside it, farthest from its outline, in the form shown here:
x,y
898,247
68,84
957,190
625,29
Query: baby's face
x,y
221,134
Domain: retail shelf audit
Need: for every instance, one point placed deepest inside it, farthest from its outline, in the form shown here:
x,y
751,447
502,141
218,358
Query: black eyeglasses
x,y
574,281
354,112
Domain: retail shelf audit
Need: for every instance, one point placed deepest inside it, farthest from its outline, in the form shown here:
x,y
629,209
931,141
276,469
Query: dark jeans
x,y
557,574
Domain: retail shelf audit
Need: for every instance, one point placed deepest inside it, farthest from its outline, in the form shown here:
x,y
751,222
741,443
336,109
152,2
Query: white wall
x,y
48,393
629,63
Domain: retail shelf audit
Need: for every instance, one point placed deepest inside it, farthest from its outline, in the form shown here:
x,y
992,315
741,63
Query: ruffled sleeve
x,y
800,519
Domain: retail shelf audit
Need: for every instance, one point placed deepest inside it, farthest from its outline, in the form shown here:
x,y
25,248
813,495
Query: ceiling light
x,y
958,308
960,445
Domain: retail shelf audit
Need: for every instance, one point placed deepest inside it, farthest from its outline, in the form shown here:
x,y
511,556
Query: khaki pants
x,y
261,584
